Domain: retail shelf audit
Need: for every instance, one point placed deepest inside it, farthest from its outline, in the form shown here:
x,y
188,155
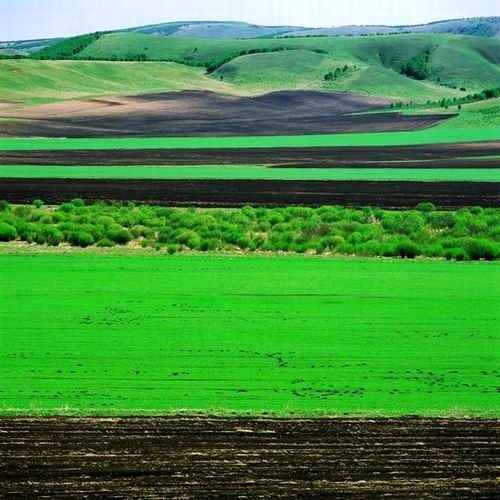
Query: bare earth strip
x,y
234,193
248,458
425,156
184,114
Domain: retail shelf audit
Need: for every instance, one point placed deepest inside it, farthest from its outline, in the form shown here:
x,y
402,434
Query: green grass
x,y
89,334
469,62
456,60
480,115
36,82
428,136
291,69
303,69
249,172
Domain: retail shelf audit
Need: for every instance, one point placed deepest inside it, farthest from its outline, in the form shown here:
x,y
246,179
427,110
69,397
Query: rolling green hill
x,y
35,82
441,65
382,63
277,70
303,69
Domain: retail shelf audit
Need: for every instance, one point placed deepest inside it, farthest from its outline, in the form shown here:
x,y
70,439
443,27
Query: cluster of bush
x,y
467,234
338,73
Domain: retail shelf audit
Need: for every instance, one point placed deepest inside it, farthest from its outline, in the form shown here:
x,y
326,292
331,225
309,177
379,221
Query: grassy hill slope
x,y
277,70
33,82
445,61
302,69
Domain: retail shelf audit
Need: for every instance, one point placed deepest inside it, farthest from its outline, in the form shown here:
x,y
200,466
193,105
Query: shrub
x,y
96,231
478,249
77,202
105,220
433,250
442,220
38,203
335,241
105,243
4,206
172,249
119,236
67,208
80,239
455,254
26,231
49,235
185,236
426,207
7,232
9,219
23,212
407,249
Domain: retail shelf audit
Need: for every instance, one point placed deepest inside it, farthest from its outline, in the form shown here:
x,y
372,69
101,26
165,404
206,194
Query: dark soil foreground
x,y
248,458
421,156
192,113
236,193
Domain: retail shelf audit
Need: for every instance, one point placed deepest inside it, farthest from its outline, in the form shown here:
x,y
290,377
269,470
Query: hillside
x,y
376,65
37,82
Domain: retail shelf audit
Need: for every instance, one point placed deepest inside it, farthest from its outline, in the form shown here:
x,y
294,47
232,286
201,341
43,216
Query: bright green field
x,y
428,136
86,334
250,172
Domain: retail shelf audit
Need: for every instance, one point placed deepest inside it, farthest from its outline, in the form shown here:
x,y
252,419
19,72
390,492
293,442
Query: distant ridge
x,y
488,27
214,30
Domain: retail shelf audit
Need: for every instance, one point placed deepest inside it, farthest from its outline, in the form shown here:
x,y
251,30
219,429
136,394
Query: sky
x,y
30,19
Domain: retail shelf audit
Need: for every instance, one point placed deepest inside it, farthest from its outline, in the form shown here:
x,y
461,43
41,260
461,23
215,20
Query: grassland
x,y
378,60
428,136
249,172
480,115
37,82
304,336
375,65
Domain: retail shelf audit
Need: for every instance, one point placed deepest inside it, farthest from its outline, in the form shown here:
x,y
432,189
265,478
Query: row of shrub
x,y
455,101
467,234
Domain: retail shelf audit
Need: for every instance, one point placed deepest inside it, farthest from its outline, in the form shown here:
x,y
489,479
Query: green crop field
x,y
249,172
428,136
84,333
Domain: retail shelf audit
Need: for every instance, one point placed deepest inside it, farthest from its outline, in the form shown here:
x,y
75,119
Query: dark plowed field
x,y
426,156
248,458
235,193
207,114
